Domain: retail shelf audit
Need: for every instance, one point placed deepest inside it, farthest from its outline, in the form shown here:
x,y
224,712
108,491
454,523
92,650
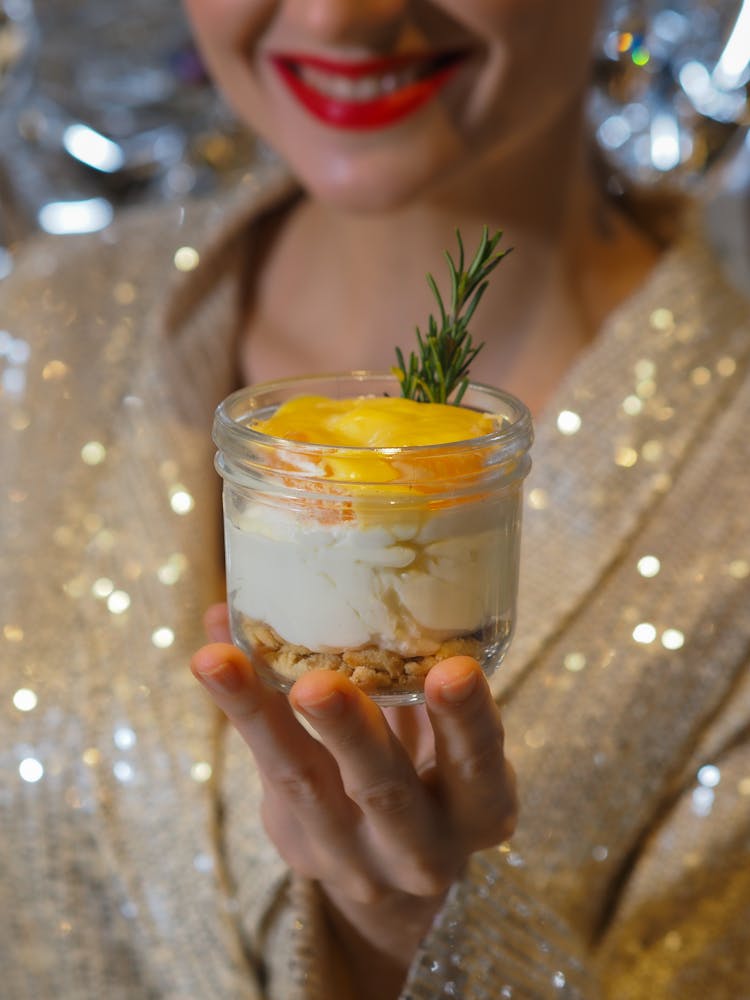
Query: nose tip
x,y
359,21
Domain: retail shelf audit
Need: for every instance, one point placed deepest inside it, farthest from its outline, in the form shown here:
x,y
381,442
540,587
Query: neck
x,y
574,258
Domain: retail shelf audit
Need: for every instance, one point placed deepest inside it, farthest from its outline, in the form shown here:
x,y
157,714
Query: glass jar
x,y
377,562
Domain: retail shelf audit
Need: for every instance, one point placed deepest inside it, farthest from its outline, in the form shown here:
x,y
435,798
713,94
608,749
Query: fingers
x,y
216,623
403,828
306,810
350,809
476,781
259,713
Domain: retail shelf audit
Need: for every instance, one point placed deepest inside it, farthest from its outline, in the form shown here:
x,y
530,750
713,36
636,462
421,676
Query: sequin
x,y
201,771
644,633
7,263
626,457
709,776
31,770
13,633
13,383
203,862
162,637
171,571
702,801
124,738
123,771
118,602
93,453
535,738
91,757
632,405
574,662
739,569
652,450
649,566
25,700
672,638
644,369
726,367
18,351
186,259
538,499
568,422
54,371
180,500
102,587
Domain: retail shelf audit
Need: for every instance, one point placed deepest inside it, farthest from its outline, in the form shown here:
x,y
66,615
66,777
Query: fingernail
x,y
224,677
327,707
459,689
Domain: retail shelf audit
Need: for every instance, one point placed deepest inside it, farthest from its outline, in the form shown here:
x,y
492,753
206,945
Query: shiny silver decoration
x,y
116,109
101,106
18,47
671,87
18,38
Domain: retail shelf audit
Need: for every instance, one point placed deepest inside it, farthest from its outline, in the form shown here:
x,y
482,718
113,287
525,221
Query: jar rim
x,y
512,436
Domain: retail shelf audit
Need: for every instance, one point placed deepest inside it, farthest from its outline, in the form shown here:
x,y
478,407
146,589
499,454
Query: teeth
x,y
365,88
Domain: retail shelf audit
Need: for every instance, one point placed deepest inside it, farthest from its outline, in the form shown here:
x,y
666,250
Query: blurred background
x,y
105,104
102,104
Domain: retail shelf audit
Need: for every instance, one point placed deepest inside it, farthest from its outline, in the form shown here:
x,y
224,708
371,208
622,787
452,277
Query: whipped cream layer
x,y
404,583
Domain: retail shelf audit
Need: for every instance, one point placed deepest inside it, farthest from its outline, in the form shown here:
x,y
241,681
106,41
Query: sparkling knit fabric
x,y
132,859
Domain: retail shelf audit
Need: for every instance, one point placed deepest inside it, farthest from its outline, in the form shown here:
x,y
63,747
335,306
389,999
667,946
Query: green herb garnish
x,y
441,366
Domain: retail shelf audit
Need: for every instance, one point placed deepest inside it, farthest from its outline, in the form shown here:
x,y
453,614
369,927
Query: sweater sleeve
x,y
492,940
680,927
495,939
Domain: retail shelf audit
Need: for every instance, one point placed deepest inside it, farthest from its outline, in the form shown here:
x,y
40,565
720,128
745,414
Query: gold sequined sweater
x,y
133,862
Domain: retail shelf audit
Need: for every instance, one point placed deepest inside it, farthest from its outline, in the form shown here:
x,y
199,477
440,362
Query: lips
x,y
369,93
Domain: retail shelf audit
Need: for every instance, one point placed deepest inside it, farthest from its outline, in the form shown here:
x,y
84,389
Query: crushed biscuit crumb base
x,y
370,668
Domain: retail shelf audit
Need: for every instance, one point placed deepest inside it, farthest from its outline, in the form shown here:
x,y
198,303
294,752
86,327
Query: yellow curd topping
x,y
374,422
381,422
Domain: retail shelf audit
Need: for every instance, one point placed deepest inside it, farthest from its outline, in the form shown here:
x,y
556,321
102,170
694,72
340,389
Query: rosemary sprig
x,y
441,365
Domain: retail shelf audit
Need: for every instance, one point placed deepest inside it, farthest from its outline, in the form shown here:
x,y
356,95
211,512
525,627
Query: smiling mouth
x,y
370,93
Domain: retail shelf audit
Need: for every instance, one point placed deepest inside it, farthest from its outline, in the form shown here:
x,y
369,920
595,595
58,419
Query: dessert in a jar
x,y
368,533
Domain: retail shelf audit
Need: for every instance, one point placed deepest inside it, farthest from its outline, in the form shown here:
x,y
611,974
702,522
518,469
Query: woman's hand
x,y
384,811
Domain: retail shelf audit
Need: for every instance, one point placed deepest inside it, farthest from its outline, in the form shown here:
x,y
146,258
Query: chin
x,y
380,181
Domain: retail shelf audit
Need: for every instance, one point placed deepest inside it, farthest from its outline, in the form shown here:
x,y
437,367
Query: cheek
x,y
227,32
547,48
228,24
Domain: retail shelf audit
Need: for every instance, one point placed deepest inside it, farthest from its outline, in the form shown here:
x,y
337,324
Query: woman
x,y
626,690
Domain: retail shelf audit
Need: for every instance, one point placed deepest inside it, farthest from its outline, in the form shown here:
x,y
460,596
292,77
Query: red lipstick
x,y
368,93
